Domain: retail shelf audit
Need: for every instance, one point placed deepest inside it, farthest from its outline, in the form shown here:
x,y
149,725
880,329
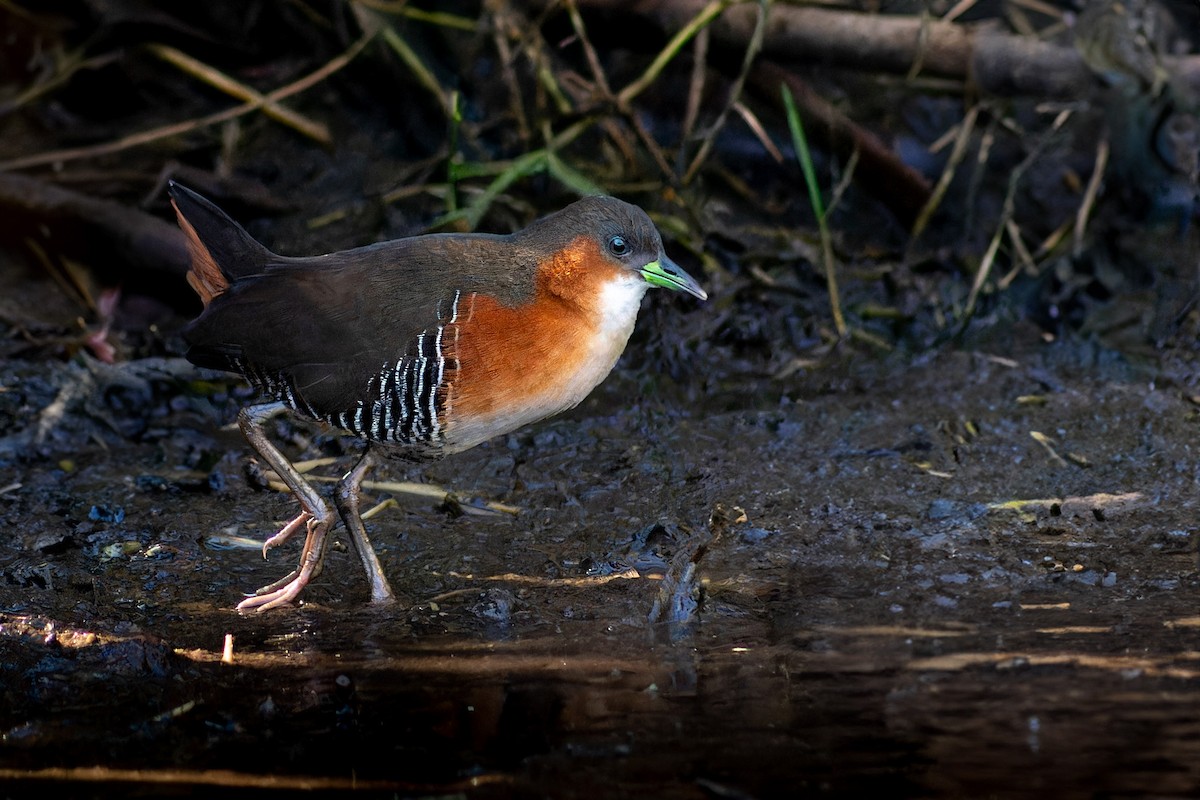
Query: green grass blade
x,y
800,142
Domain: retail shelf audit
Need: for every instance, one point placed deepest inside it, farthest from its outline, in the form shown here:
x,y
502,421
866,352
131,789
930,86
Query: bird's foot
x,y
312,557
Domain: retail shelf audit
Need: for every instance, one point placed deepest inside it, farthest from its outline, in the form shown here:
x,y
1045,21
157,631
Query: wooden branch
x,y
995,62
102,230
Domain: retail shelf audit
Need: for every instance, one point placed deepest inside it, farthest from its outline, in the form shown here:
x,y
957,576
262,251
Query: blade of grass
x,y
814,198
455,161
574,180
522,167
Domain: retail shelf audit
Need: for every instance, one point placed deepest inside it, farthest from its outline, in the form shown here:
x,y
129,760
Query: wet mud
x,y
970,573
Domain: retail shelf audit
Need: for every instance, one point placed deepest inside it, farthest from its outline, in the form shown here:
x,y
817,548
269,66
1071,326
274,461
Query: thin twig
x,y
423,74
753,48
406,9
960,8
844,182
760,132
1024,259
1006,214
500,39
1089,194
239,90
602,88
696,83
180,128
72,63
956,156
589,51
986,139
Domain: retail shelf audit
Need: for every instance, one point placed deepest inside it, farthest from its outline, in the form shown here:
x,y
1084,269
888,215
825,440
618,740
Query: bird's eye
x,y
618,246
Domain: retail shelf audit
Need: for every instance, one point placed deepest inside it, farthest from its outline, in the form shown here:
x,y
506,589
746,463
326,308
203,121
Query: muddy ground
x,y
901,588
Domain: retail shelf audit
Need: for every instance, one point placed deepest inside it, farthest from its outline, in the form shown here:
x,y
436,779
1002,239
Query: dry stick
x,y
71,288
651,146
1055,238
422,73
922,44
500,40
1024,257
965,128
960,8
602,86
625,97
1019,21
986,140
587,92
180,128
757,128
91,777
404,9
536,51
1045,9
835,196
985,266
1089,195
735,93
589,52
696,83
221,81
605,91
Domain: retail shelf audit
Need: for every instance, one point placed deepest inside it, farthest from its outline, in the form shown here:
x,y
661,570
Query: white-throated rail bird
x,y
421,347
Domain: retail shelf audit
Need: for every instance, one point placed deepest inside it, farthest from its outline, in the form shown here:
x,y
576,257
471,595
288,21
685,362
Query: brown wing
x,y
326,326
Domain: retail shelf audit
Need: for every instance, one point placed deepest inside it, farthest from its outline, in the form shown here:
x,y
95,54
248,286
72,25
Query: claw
x,y
286,532
288,589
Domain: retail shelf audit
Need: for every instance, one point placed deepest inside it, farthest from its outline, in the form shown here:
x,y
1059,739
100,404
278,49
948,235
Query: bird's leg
x,y
346,499
315,513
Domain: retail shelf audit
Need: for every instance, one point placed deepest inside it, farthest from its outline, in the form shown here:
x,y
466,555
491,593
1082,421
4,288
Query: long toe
x,y
283,596
312,559
286,532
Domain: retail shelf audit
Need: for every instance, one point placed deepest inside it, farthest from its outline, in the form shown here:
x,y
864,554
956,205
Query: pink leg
x,y
315,514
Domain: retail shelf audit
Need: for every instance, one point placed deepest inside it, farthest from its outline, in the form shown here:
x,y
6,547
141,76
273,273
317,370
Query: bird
x,y
420,346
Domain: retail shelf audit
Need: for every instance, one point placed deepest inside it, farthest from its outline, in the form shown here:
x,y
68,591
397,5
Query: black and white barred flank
x,y
403,402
